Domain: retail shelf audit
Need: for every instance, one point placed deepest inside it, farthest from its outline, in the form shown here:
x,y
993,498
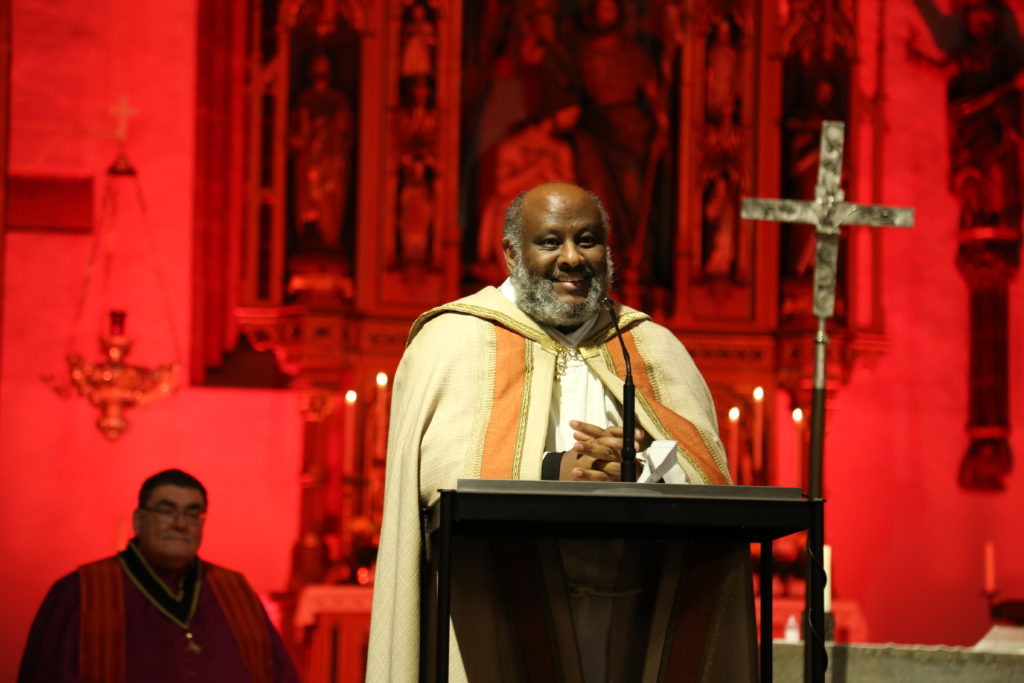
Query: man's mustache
x,y
585,270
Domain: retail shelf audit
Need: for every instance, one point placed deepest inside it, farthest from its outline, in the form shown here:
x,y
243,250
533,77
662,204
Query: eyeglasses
x,y
168,514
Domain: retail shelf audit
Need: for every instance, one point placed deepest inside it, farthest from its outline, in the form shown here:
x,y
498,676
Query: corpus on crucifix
x,y
826,212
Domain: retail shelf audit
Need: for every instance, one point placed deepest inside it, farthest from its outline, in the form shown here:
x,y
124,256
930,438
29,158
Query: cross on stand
x,y
827,212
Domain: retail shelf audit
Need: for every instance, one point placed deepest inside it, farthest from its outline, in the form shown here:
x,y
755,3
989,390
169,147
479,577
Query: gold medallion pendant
x,y
190,642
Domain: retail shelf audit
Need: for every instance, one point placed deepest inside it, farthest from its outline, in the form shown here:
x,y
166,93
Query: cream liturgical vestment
x,y
472,399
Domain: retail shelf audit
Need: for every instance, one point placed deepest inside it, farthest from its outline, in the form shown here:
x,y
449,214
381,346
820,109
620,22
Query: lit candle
x,y
798,426
348,426
990,568
734,441
797,473
826,561
373,496
380,407
758,429
348,473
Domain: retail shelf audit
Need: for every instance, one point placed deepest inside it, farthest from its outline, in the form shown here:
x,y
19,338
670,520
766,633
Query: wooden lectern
x,y
486,524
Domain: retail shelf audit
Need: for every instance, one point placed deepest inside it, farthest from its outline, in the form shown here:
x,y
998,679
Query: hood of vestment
x,y
490,304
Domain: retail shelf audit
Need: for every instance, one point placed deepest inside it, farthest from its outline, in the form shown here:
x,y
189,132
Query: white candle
x,y
349,426
798,428
734,441
826,561
348,474
990,568
380,407
758,429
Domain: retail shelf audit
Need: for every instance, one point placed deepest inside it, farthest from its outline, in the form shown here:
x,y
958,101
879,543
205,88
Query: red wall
x,y
69,492
907,541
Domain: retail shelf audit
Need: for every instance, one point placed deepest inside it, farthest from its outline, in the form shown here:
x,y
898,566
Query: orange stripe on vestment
x,y
242,610
101,636
506,406
679,428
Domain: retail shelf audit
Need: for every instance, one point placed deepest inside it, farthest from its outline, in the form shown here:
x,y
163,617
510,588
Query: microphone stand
x,y
628,408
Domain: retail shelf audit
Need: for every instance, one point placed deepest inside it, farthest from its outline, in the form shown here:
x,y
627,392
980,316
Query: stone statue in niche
x,y
624,112
321,140
411,246
519,82
520,114
417,122
534,154
720,224
419,41
413,242
532,64
721,143
722,84
984,57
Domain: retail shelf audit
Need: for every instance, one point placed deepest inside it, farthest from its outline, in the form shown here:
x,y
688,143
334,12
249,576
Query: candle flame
x,y
758,393
351,396
382,379
734,413
798,415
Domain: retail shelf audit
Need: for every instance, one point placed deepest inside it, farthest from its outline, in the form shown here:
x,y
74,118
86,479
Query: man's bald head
x,y
556,251
513,230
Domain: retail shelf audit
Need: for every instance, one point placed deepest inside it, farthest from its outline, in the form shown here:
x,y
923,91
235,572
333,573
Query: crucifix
x,y
827,212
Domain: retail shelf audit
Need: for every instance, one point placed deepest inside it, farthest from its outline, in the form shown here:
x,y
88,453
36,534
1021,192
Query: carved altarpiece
x,y
433,114
304,192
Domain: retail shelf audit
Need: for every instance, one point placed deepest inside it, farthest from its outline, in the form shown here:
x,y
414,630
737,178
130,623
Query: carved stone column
x,y
988,259
309,339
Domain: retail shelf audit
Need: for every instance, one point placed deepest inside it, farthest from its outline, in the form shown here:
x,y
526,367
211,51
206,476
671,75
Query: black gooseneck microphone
x,y
628,407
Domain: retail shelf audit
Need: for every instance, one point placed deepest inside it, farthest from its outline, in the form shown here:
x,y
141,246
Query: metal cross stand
x,y
826,213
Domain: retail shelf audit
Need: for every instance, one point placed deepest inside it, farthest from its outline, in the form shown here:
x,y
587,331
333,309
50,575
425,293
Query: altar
x,y
885,663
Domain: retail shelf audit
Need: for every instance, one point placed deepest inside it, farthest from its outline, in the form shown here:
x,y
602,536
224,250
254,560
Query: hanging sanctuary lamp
x,y
111,383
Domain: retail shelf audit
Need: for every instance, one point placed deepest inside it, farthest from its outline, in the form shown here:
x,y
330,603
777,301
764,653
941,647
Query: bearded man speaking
x,y
525,382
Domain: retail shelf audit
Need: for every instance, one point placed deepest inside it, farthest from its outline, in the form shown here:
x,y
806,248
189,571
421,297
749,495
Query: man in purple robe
x,y
156,612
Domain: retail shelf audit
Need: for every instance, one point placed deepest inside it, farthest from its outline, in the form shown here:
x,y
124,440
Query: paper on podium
x,y
661,464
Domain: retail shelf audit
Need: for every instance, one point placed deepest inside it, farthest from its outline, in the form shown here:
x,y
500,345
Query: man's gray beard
x,y
535,296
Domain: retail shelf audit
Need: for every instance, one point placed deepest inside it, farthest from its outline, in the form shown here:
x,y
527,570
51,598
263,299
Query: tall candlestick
x,y
349,426
348,474
798,427
990,568
826,561
374,496
759,430
734,441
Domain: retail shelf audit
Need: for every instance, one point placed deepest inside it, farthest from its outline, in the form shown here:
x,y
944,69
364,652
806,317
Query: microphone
x,y
628,407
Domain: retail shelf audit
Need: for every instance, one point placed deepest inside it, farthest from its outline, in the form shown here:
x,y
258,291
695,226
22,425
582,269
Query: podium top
x,y
619,510
617,488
